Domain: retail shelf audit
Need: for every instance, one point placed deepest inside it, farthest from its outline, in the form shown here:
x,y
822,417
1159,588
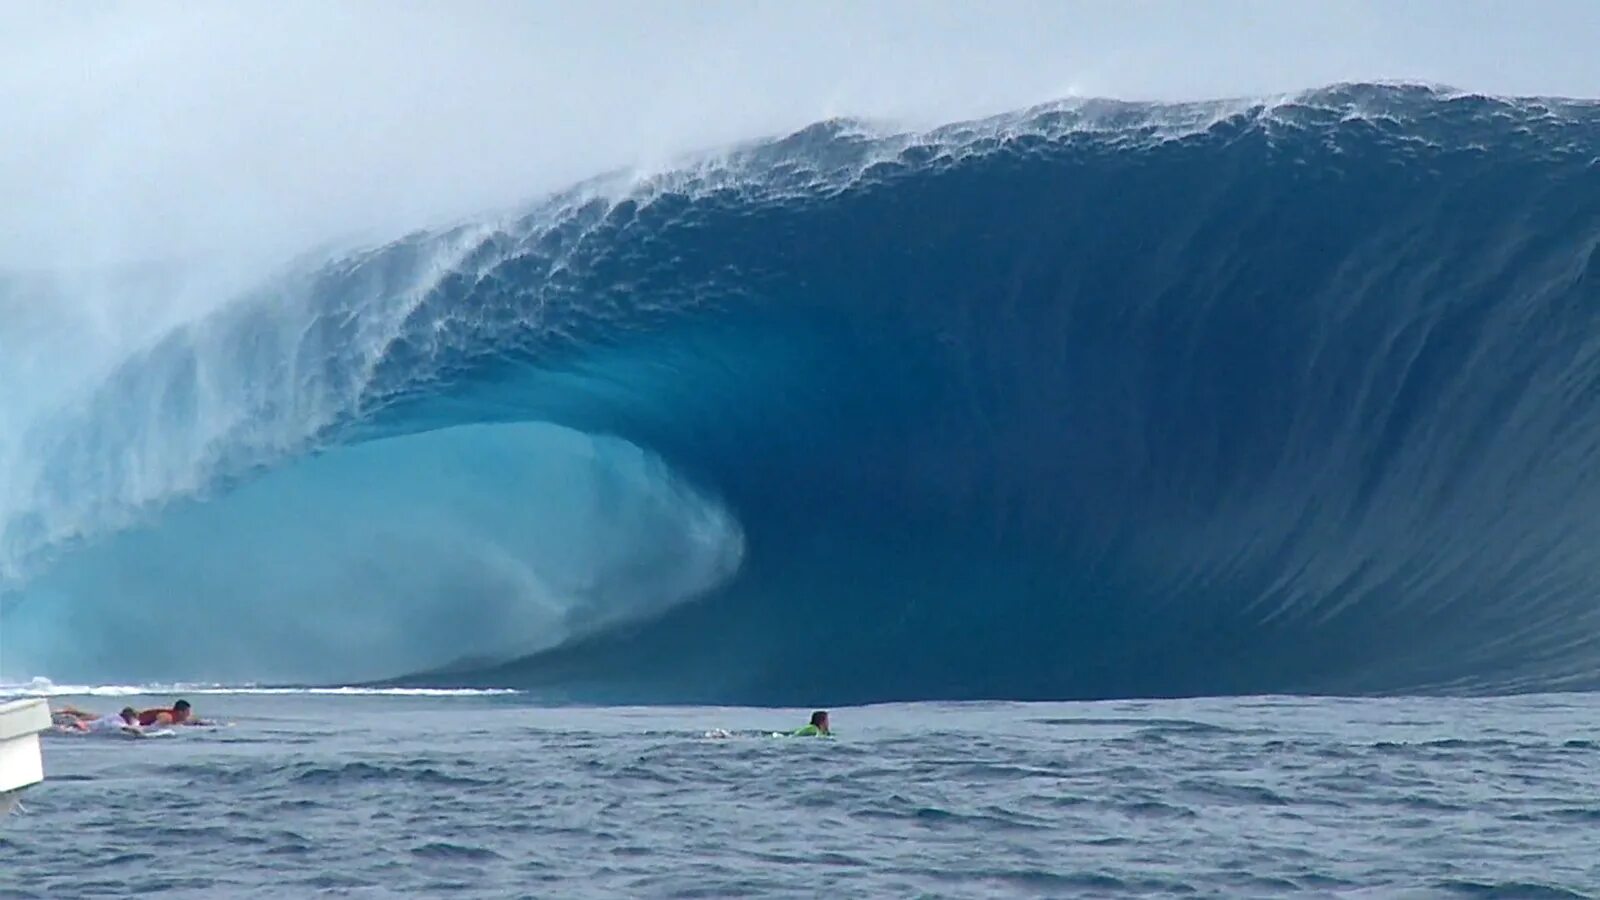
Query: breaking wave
x,y
1095,399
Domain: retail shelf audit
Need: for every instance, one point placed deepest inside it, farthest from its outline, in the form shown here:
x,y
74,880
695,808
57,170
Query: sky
x,y
251,130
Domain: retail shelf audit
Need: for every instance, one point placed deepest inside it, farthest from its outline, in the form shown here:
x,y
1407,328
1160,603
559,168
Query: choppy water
x,y
495,797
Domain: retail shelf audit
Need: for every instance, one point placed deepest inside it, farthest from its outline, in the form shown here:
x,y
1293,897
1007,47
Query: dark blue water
x,y
1092,400
493,797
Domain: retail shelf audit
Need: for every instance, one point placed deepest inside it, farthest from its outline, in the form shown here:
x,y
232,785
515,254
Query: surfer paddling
x,y
126,721
818,726
180,713
72,719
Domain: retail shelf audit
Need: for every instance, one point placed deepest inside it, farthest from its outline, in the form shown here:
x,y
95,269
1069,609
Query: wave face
x,y
1099,399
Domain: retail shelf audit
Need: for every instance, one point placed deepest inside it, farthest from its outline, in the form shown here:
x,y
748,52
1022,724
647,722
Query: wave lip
x,y
1095,399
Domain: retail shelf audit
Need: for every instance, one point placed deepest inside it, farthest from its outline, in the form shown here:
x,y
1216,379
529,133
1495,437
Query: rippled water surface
x,y
493,797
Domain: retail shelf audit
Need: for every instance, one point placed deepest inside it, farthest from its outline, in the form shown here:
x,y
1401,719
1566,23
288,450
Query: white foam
x,y
43,687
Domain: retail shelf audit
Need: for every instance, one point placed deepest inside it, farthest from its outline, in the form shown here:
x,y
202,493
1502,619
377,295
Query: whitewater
x,y
1096,399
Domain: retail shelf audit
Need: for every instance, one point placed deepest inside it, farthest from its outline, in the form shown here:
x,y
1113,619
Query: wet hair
x,y
818,716
181,705
129,712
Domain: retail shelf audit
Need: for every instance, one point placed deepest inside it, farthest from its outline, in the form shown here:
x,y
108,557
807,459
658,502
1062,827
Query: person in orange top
x,y
180,714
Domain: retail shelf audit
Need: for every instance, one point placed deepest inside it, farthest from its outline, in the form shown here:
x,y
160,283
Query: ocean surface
x,y
495,796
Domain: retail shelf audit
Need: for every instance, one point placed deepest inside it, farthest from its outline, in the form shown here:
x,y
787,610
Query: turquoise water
x,y
492,796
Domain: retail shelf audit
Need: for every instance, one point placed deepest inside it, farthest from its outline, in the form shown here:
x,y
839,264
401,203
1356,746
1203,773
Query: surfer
x,y
818,726
72,719
125,721
179,713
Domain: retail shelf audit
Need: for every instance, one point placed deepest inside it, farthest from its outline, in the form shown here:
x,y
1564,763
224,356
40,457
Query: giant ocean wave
x,y
1096,399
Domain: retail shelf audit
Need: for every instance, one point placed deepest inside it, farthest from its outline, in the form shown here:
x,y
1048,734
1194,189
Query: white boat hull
x,y
21,763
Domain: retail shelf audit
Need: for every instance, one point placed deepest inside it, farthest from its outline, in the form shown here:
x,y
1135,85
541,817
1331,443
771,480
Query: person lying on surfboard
x,y
180,713
72,719
818,726
125,721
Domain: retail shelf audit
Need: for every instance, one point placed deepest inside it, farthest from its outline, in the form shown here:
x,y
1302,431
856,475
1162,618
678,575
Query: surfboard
x,y
141,735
